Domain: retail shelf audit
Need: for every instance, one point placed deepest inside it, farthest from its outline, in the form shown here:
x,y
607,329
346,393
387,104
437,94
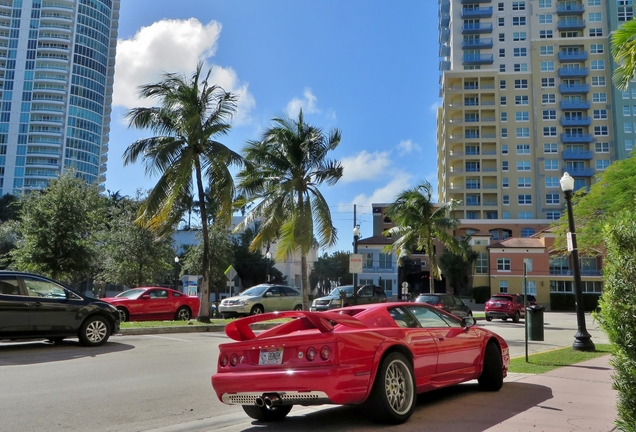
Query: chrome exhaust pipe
x,y
260,402
272,400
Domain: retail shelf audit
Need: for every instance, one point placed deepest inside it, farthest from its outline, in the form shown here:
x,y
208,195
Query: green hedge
x,y
566,302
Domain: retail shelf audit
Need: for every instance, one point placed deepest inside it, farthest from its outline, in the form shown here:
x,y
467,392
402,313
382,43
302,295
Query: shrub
x,y
617,314
481,294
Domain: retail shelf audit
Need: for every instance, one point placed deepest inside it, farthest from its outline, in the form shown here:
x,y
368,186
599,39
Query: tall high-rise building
x,y
57,63
527,95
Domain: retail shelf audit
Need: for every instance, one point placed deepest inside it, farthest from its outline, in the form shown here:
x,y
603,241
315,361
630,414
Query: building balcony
x,y
571,25
481,12
573,72
477,28
580,172
570,9
572,56
484,43
577,155
576,121
578,88
475,1
575,105
477,59
445,20
576,138
444,51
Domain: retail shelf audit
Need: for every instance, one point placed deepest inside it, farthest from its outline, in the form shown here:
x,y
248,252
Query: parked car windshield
x,y
500,298
255,291
336,291
131,294
429,299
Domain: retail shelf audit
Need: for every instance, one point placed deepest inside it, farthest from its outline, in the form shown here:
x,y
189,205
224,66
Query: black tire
x,y
95,331
394,395
491,378
182,314
263,414
488,319
298,307
123,314
256,310
515,319
505,319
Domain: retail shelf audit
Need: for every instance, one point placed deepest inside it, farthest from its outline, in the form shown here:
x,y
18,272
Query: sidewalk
x,y
569,399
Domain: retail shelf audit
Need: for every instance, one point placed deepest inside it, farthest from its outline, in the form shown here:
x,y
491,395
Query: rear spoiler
x,y
240,329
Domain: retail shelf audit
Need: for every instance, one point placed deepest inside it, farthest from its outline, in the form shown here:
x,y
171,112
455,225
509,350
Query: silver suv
x,y
262,298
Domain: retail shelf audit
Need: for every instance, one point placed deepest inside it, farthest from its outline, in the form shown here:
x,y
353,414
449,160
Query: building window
x,y
547,82
524,199
519,52
545,19
505,199
549,114
472,166
602,164
504,165
385,261
501,22
546,50
518,5
545,34
504,149
505,182
595,17
521,100
551,165
519,21
500,7
552,198
550,148
502,84
552,182
601,114
502,100
504,131
598,81
549,131
602,130
503,264
527,232
521,84
519,36
525,215
502,52
523,165
625,10
523,149
597,49
547,66
545,4
503,286
549,98
597,65
502,37
596,32
553,215
599,97
524,182
602,147
505,215
531,287
481,264
523,133
504,117
520,67
522,116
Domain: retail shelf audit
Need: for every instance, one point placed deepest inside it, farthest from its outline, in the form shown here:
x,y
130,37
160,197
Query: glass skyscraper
x,y
57,63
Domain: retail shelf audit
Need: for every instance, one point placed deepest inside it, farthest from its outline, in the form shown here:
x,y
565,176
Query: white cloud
x,y
364,166
406,147
307,103
385,194
172,46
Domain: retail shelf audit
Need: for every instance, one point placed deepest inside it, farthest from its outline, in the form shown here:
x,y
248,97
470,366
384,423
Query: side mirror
x,y
268,294
145,296
468,321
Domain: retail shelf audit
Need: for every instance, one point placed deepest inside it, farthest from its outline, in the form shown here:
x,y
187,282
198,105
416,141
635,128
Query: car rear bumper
x,y
499,314
336,384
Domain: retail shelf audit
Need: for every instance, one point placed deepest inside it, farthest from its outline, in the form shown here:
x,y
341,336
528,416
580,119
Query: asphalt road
x,y
161,383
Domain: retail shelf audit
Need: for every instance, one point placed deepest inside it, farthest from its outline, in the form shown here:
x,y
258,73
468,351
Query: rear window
x,y
500,298
430,299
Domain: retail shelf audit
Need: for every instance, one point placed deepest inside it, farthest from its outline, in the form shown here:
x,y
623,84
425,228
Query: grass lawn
x,y
546,361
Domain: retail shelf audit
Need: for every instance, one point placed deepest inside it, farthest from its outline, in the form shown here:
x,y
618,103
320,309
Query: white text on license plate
x,y
273,356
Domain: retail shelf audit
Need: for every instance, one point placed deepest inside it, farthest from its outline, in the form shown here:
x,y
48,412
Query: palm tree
x,y
418,222
191,113
282,173
624,53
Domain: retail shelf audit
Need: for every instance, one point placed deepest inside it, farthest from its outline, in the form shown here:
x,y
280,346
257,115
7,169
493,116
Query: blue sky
x,y
366,67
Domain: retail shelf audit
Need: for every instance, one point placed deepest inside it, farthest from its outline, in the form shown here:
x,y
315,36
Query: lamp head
x,y
356,231
176,260
567,183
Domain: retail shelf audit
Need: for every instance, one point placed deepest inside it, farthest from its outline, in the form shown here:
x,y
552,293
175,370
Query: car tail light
x,y
438,305
224,360
325,352
234,359
311,353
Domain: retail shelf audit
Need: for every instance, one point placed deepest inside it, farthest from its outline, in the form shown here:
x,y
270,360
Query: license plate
x,y
273,356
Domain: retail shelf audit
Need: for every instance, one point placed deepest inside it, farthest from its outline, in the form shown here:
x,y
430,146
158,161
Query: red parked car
x,y
155,303
504,306
381,355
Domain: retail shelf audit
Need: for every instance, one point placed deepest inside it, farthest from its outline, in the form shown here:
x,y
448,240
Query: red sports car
x,y
381,355
155,303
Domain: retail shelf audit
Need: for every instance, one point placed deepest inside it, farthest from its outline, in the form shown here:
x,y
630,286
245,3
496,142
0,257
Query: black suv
x,y
448,302
36,307
343,296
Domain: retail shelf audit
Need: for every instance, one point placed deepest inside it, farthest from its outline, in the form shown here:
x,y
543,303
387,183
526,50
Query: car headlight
x,y
335,302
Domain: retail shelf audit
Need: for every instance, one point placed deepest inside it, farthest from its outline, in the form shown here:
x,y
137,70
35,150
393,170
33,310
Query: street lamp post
x,y
582,339
268,255
356,237
176,273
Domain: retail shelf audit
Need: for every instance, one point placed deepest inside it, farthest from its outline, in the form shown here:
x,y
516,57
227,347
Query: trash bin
x,y
534,316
